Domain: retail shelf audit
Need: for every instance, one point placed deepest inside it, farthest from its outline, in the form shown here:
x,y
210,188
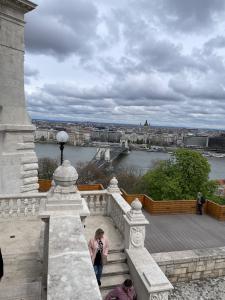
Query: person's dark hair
x,y
128,283
98,232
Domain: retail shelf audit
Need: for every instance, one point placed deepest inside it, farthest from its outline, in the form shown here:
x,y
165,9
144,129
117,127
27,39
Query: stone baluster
x,y
94,203
10,207
6,208
14,207
98,204
18,211
91,203
33,207
102,204
134,231
25,204
1,209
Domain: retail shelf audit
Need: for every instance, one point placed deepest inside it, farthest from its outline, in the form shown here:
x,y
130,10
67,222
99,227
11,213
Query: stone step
x,y
115,269
109,282
116,250
116,258
20,291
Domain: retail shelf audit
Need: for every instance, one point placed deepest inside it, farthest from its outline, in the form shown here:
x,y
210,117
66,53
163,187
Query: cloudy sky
x,y
126,61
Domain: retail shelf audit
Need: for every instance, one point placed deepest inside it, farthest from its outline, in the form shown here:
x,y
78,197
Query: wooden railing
x,y
45,185
176,206
215,210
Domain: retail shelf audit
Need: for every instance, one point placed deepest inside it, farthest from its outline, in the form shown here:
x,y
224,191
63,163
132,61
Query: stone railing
x,y
149,280
99,203
117,207
96,201
70,270
21,205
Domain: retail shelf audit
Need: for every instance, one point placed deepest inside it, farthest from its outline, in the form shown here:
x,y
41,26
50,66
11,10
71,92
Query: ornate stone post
x,y
113,186
18,161
149,281
64,197
135,223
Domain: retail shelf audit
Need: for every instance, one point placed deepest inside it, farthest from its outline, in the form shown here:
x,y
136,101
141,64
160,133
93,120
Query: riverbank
x,y
140,161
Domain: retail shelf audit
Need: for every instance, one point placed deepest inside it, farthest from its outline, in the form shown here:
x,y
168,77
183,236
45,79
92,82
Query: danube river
x,y
139,160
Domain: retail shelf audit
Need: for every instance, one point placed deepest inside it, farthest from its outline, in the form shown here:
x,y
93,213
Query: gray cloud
x,y
128,60
61,30
178,15
217,42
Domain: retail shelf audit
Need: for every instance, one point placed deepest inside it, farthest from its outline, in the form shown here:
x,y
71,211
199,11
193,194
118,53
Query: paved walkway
x,y
167,233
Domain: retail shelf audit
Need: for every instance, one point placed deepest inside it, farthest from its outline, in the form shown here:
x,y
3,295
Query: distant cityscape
x,y
143,136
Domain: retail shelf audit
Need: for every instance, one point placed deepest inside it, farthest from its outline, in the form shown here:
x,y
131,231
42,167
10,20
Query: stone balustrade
x,y
21,205
99,203
96,201
117,207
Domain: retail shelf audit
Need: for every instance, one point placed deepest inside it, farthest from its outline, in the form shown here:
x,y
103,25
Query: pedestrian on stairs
x,y
1,266
123,292
99,248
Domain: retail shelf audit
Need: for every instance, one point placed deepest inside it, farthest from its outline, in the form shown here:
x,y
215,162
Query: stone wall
x,y
192,264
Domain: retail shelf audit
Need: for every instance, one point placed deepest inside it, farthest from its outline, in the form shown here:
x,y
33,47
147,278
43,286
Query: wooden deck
x,y
179,232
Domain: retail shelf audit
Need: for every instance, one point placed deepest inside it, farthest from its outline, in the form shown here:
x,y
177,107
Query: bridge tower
x,y
103,153
124,143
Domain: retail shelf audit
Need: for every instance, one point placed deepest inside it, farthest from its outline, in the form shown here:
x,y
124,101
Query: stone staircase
x,y
115,271
22,277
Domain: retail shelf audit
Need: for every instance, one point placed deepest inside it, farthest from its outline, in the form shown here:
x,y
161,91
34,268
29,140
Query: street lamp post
x,y
62,137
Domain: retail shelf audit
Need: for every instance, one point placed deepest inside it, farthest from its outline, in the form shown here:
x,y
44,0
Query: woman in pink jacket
x,y
99,248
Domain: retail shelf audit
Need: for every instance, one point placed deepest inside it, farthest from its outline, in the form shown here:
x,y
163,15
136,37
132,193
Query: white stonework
x,y
64,197
149,281
135,223
113,186
18,161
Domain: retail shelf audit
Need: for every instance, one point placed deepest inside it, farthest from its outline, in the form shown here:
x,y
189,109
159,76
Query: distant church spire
x,y
146,123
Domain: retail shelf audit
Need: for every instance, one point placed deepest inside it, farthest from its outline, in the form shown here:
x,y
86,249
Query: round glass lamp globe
x,y
62,137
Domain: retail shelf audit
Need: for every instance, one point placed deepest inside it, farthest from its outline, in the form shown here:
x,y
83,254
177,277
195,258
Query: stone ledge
x,y
25,146
70,270
15,128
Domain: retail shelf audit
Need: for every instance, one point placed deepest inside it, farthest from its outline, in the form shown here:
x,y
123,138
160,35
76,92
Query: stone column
x,y
18,161
135,223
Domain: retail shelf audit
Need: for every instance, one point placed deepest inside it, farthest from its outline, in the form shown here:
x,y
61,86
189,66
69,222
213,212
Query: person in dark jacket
x,y
200,203
1,266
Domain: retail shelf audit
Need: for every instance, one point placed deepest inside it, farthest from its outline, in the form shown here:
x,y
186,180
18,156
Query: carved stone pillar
x,y
64,197
113,186
18,161
135,223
